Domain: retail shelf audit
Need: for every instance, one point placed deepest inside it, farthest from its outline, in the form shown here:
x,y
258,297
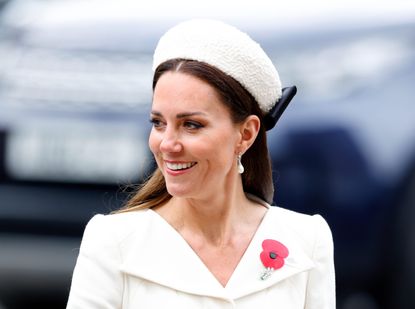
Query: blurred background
x,y
75,93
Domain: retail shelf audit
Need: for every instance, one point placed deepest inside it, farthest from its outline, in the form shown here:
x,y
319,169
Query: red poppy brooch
x,y
272,256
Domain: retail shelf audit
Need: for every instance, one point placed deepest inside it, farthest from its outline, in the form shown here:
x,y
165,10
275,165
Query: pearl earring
x,y
239,164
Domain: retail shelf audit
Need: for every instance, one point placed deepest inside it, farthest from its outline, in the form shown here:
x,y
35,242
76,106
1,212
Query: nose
x,y
170,141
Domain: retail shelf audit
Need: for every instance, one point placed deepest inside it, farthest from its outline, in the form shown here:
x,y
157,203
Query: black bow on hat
x,y
276,111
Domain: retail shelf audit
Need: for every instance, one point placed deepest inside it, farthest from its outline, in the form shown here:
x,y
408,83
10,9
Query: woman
x,y
200,232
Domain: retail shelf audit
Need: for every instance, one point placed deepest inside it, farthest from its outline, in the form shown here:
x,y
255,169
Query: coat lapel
x,y
246,278
157,253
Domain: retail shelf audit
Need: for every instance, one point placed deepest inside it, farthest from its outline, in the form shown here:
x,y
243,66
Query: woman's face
x,y
193,139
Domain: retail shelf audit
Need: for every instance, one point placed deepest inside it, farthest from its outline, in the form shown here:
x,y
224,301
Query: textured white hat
x,y
226,48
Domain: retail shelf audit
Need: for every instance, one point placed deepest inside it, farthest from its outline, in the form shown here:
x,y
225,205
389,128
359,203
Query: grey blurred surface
x,y
31,263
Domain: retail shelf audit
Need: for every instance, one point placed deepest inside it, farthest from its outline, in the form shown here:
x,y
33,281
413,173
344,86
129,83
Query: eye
x,y
192,125
157,123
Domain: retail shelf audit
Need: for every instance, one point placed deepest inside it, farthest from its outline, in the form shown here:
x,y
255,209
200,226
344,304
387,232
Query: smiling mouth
x,y
180,166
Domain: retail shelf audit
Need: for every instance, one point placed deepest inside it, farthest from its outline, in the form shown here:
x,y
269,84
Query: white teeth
x,y
179,166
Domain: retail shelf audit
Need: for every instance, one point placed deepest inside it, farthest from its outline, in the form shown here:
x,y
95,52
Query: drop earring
x,y
239,164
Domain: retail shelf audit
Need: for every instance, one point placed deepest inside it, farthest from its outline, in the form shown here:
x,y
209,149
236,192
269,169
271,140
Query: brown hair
x,y
257,177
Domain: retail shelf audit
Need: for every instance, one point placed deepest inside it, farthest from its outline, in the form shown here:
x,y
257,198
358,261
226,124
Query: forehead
x,y
176,90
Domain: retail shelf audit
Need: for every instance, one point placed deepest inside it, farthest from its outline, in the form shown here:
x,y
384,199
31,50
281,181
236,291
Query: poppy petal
x,y
272,245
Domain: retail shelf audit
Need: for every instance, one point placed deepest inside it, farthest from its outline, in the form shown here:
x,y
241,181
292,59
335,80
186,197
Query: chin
x,y
179,191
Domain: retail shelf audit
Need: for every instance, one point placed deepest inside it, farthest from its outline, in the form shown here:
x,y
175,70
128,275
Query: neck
x,y
215,220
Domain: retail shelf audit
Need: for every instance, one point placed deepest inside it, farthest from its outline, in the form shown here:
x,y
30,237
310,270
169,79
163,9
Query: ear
x,y
249,131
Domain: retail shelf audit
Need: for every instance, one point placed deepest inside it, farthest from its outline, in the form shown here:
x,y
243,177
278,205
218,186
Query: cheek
x,y
222,152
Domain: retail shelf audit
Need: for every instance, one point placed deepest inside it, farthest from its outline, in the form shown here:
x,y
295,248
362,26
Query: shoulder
x,y
107,229
297,220
312,231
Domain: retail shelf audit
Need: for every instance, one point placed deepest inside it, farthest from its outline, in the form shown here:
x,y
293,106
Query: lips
x,y
180,166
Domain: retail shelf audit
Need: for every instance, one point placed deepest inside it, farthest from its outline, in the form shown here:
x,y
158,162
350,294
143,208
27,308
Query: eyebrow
x,y
180,115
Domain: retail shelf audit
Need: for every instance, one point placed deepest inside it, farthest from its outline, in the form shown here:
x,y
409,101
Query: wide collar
x,y
156,252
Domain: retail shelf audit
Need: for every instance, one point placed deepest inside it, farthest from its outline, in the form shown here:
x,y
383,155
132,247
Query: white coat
x,y
137,260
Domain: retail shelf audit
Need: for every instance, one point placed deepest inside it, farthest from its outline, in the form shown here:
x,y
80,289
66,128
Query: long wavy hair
x,y
257,177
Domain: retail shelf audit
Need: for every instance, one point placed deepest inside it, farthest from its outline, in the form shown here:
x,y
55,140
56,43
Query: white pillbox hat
x,y
226,48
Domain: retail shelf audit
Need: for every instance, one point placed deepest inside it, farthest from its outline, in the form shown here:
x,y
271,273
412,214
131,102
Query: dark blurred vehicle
x,y
73,131
75,88
346,149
